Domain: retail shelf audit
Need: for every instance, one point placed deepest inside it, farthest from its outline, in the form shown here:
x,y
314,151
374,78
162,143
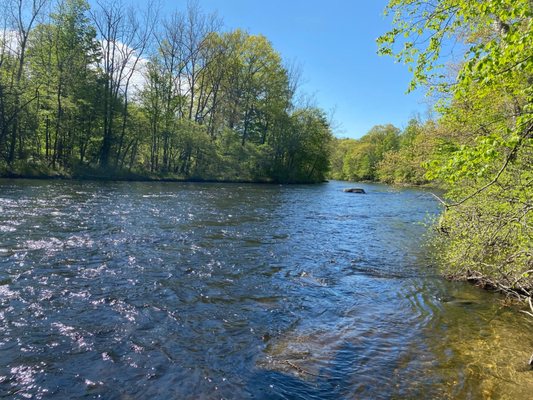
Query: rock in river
x,y
354,190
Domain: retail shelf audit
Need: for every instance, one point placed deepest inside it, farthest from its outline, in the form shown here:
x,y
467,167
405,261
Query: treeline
x,y
113,90
386,154
480,149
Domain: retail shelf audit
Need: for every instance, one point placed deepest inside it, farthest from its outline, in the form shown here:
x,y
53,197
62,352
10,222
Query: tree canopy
x,y
113,90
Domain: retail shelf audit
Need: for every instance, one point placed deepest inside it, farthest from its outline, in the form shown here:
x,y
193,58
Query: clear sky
x,y
335,43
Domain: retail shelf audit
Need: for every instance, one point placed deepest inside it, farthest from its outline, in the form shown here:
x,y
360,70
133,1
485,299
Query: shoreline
x,y
396,185
143,178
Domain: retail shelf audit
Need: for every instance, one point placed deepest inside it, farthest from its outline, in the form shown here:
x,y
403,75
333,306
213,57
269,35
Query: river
x,y
121,290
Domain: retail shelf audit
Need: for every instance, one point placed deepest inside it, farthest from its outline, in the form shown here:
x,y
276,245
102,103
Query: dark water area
x,y
210,291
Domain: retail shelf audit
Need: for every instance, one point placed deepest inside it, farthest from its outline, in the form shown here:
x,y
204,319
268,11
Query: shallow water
x,y
168,290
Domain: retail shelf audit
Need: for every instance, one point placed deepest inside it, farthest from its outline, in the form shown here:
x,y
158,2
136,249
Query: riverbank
x,y
125,177
401,185
512,280
98,174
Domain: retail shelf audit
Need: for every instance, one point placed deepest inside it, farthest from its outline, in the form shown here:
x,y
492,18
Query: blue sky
x,y
334,42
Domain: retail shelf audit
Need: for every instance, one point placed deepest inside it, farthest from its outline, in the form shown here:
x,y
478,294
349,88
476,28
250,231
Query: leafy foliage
x,y
102,89
483,153
359,159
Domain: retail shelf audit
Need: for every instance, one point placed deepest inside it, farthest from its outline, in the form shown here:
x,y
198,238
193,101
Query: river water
x,y
208,291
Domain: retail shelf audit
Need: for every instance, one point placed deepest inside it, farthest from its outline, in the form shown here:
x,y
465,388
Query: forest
x,y
121,92
479,149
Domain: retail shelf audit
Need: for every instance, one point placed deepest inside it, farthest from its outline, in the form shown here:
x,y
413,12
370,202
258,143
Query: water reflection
x,y
140,290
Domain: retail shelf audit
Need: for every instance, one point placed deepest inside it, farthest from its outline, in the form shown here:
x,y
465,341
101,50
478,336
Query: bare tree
x,y
198,27
185,54
124,35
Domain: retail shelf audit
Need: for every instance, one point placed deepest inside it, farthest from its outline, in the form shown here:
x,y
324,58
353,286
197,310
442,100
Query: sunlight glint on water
x,y
139,290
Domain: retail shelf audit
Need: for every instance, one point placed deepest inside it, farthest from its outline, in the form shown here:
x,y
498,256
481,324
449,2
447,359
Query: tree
x,y
20,16
360,158
407,163
485,156
300,147
62,55
123,41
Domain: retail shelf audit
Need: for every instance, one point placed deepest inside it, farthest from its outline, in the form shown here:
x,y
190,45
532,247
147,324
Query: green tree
x,y
361,157
484,158
300,147
407,164
62,55
19,17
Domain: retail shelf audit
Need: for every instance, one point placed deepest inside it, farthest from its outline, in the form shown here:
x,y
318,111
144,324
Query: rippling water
x,y
147,290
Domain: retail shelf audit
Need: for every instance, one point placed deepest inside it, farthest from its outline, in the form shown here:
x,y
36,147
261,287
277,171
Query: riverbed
x,y
123,290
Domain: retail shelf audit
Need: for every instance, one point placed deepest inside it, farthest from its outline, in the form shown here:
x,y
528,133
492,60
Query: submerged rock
x,y
354,190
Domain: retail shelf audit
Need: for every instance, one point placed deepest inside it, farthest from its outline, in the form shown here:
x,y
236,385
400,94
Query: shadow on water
x,y
200,291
